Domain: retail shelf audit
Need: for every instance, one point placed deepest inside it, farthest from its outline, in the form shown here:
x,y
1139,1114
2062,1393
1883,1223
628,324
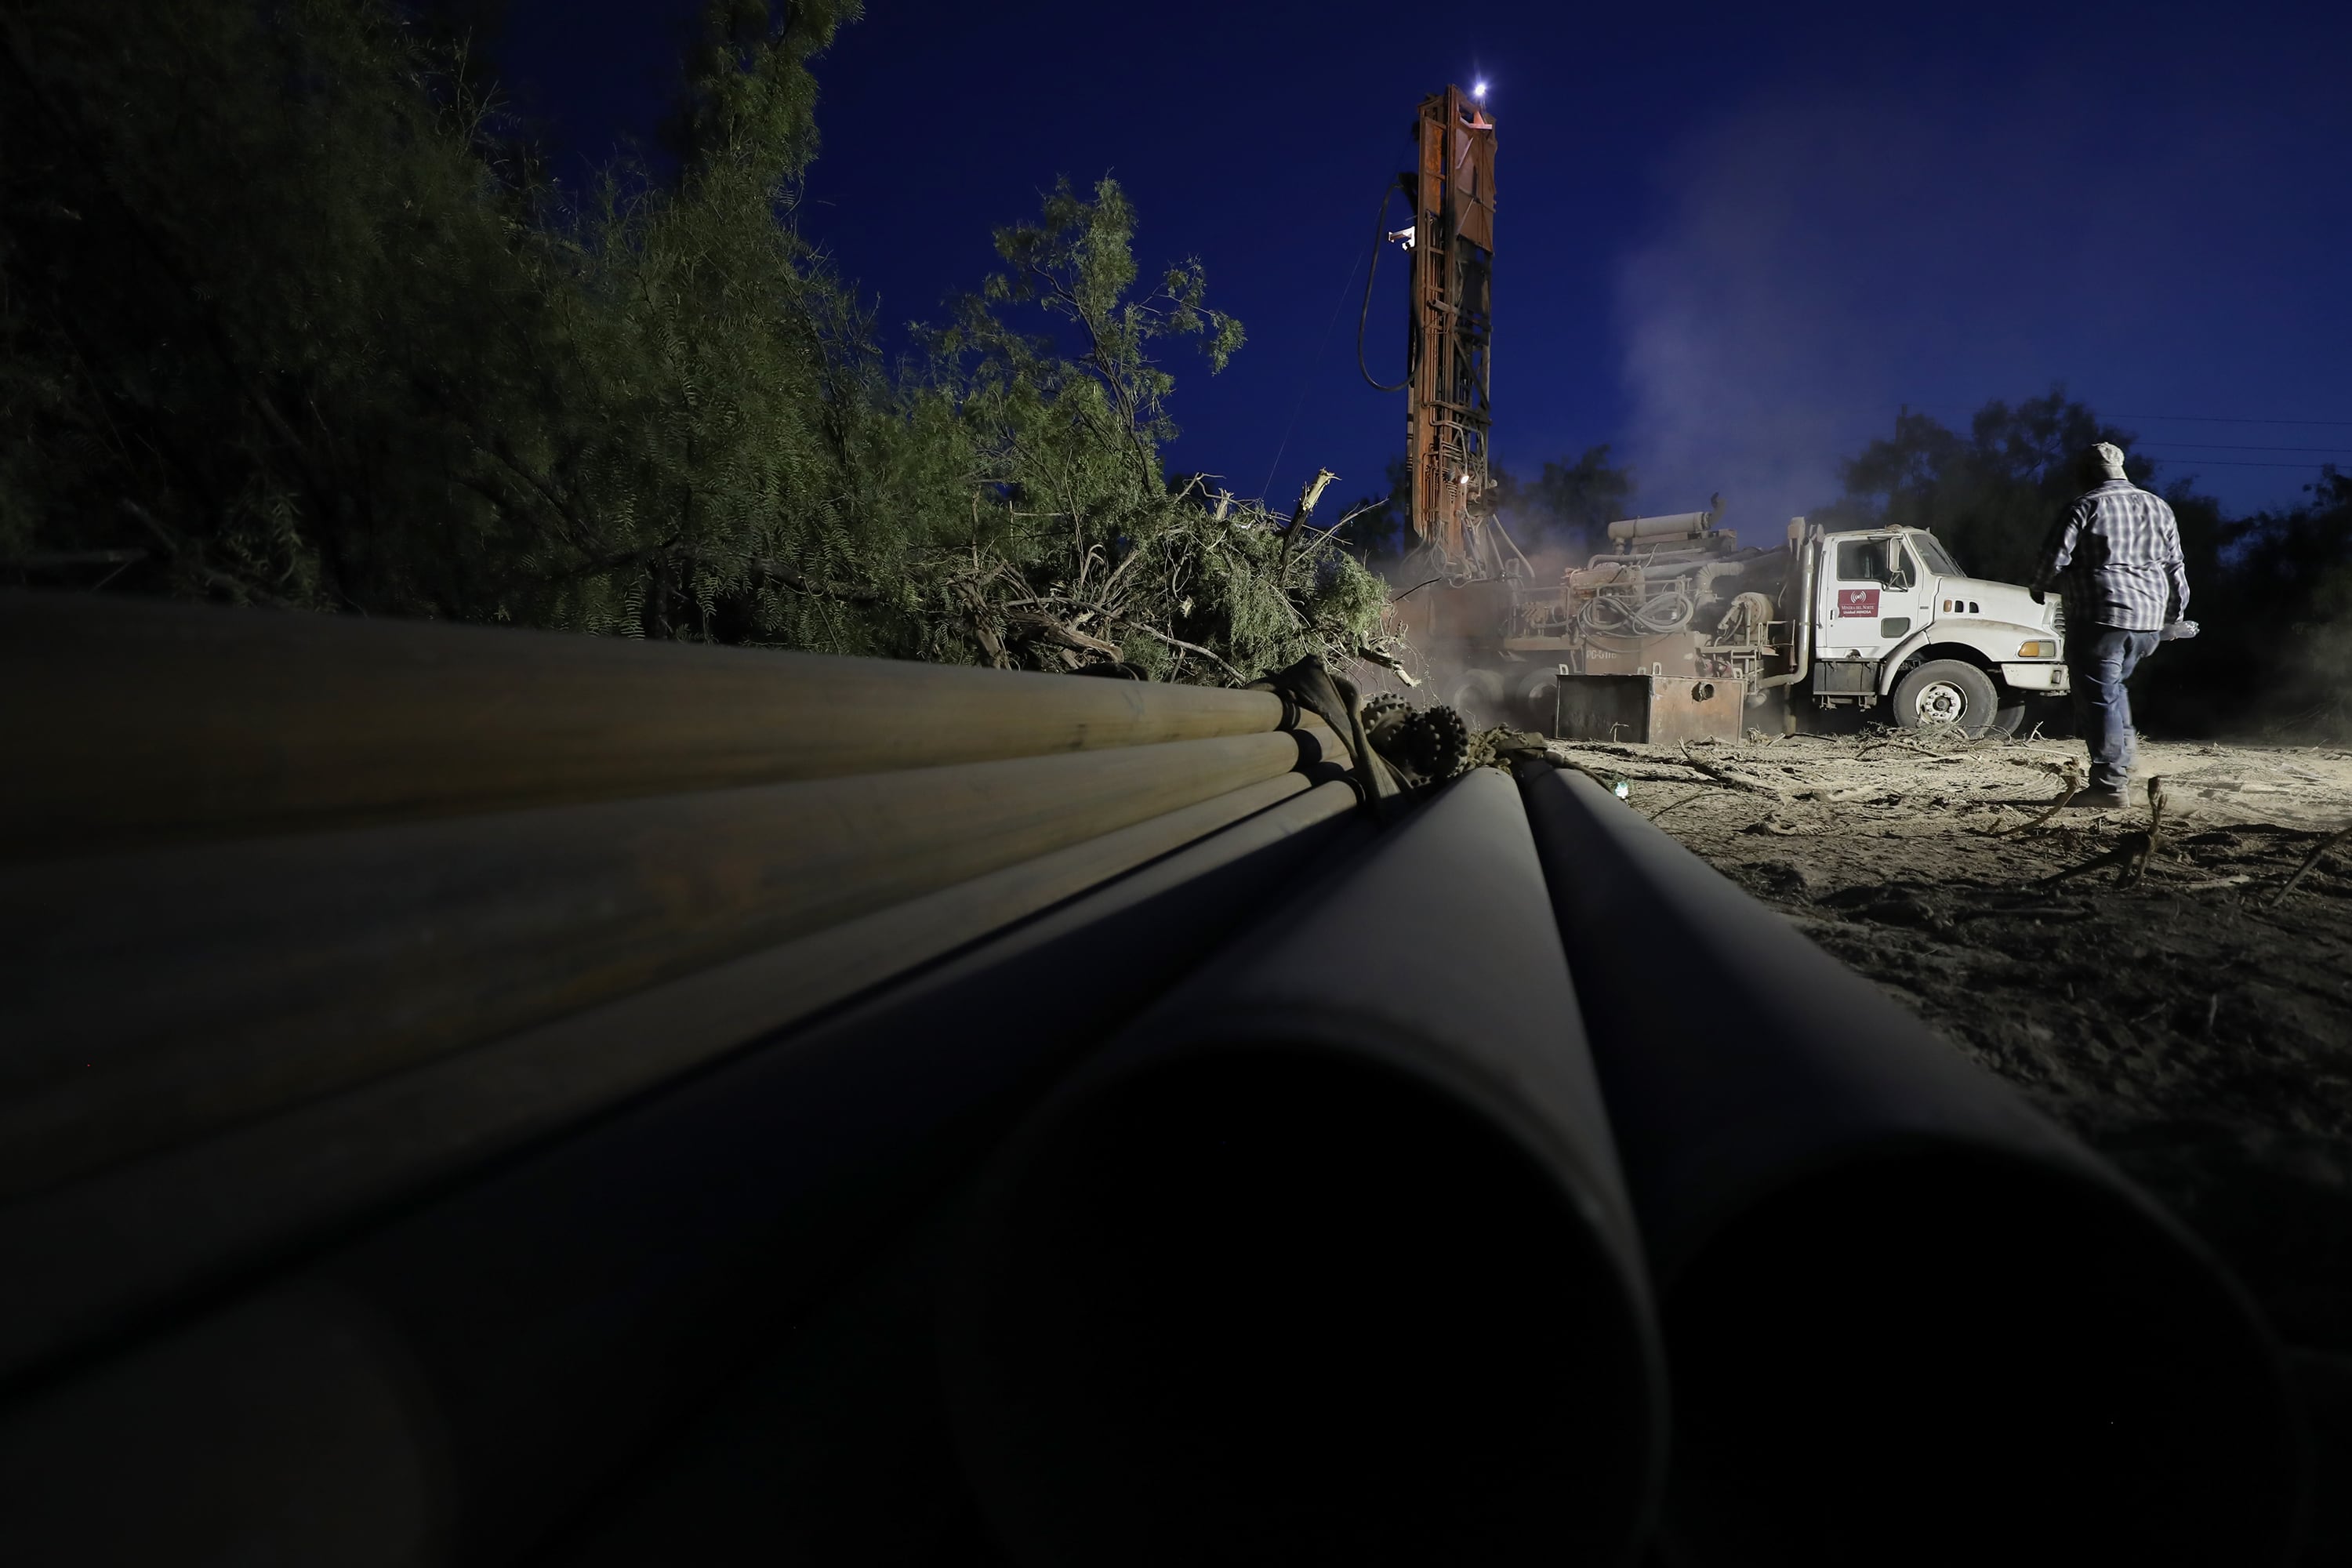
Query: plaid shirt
x,y
2119,552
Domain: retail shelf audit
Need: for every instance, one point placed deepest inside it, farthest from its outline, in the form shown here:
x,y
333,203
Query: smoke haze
x,y
1824,255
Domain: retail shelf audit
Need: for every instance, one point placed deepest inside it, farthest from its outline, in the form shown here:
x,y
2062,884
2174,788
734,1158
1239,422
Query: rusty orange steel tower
x,y
1450,347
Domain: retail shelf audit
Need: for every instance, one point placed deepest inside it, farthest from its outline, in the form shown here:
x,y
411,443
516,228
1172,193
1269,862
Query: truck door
x,y
1869,597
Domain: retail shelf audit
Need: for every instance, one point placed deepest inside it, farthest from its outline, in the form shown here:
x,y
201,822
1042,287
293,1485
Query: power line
x,y
1306,371
2225,447
2171,418
2223,419
2225,463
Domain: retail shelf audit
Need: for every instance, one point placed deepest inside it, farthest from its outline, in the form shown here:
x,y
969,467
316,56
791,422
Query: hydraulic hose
x,y
1364,316
1661,616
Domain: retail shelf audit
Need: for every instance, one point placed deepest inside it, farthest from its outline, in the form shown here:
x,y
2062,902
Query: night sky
x,y
1733,246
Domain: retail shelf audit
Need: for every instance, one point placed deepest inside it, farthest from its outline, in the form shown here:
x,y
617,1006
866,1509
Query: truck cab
x,y
1891,618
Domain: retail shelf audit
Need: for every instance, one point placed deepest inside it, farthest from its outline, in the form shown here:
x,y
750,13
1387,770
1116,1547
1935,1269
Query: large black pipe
x,y
1328,1259
1909,1320
459,1380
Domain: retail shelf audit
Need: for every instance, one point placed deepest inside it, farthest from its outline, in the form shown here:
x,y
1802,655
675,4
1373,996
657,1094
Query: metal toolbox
x,y
1648,710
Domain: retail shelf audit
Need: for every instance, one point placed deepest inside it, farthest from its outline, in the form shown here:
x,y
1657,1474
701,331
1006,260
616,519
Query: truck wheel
x,y
1479,697
1538,704
1949,691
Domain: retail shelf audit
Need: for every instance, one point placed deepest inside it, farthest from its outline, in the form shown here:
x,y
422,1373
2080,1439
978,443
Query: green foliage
x,y
750,107
286,311
227,302
1080,549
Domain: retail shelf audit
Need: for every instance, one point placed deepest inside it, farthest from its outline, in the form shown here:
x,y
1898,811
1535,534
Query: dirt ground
x,y
2186,1011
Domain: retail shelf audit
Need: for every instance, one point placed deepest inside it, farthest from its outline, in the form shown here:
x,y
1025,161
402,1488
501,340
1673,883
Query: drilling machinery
x,y
1450,335
1675,631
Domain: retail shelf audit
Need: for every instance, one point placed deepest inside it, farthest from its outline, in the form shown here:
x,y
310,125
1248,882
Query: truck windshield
x,y
1933,554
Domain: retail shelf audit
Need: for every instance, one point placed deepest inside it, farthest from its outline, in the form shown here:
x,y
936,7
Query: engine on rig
x,y
1675,595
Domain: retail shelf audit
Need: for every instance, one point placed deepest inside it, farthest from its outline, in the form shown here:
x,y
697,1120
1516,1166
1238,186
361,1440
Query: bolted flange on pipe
x,y
1327,1258
1910,1320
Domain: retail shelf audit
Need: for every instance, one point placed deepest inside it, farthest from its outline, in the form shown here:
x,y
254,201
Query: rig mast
x,y
1449,348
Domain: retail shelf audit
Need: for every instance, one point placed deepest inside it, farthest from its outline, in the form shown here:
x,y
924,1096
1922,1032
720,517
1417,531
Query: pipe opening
x,y
1292,1307
1958,1358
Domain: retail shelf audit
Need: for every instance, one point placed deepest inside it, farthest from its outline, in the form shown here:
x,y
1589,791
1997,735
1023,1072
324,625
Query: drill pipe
x,y
181,1220
1327,1258
456,1382
152,722
1909,1320
1676,525
1328,747
270,970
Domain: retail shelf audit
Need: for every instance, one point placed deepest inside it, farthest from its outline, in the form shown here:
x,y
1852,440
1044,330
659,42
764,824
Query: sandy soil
x,y
2182,1011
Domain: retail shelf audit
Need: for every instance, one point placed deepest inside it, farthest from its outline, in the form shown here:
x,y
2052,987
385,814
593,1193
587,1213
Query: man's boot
x,y
2106,791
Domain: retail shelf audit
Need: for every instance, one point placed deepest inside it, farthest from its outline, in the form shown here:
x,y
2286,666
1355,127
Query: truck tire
x,y
1539,700
1951,691
1481,698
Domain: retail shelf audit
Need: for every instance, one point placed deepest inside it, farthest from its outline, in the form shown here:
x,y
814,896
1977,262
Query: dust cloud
x,y
1825,254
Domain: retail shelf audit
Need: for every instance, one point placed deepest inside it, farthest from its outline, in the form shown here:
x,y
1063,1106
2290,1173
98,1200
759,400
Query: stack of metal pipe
x,y
474,1095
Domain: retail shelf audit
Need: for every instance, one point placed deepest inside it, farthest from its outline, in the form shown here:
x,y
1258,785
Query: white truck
x,y
1678,632
1887,616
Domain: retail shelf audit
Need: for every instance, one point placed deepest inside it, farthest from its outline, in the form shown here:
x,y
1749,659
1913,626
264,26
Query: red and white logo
x,y
1857,602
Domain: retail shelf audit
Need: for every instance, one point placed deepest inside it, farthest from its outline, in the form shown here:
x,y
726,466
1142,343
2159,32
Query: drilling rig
x,y
1675,631
1459,551
1449,343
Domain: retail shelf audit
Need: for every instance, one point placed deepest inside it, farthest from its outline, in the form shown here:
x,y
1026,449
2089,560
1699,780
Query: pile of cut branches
x,y
1212,589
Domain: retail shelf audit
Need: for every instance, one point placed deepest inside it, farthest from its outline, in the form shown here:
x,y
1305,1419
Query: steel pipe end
x,y
1284,1304
1910,1320
1947,1355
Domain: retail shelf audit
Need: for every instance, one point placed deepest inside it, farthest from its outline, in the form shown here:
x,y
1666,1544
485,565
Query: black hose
x,y
1661,616
1363,317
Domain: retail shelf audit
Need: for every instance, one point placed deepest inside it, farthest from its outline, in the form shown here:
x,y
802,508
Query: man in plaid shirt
x,y
2116,556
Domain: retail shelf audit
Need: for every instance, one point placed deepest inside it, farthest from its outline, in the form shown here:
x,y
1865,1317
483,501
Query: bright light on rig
x,y
1478,91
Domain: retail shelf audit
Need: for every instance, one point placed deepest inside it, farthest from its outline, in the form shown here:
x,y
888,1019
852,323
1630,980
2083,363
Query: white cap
x,y
2111,458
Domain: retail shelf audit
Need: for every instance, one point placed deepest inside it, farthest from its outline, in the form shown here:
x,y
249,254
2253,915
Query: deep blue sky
x,y
1731,243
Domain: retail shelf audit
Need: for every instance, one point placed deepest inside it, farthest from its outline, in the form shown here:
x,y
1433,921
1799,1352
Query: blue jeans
x,y
2099,659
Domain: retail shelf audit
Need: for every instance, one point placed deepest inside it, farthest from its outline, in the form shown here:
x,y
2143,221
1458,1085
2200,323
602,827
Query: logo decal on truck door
x,y
1858,602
